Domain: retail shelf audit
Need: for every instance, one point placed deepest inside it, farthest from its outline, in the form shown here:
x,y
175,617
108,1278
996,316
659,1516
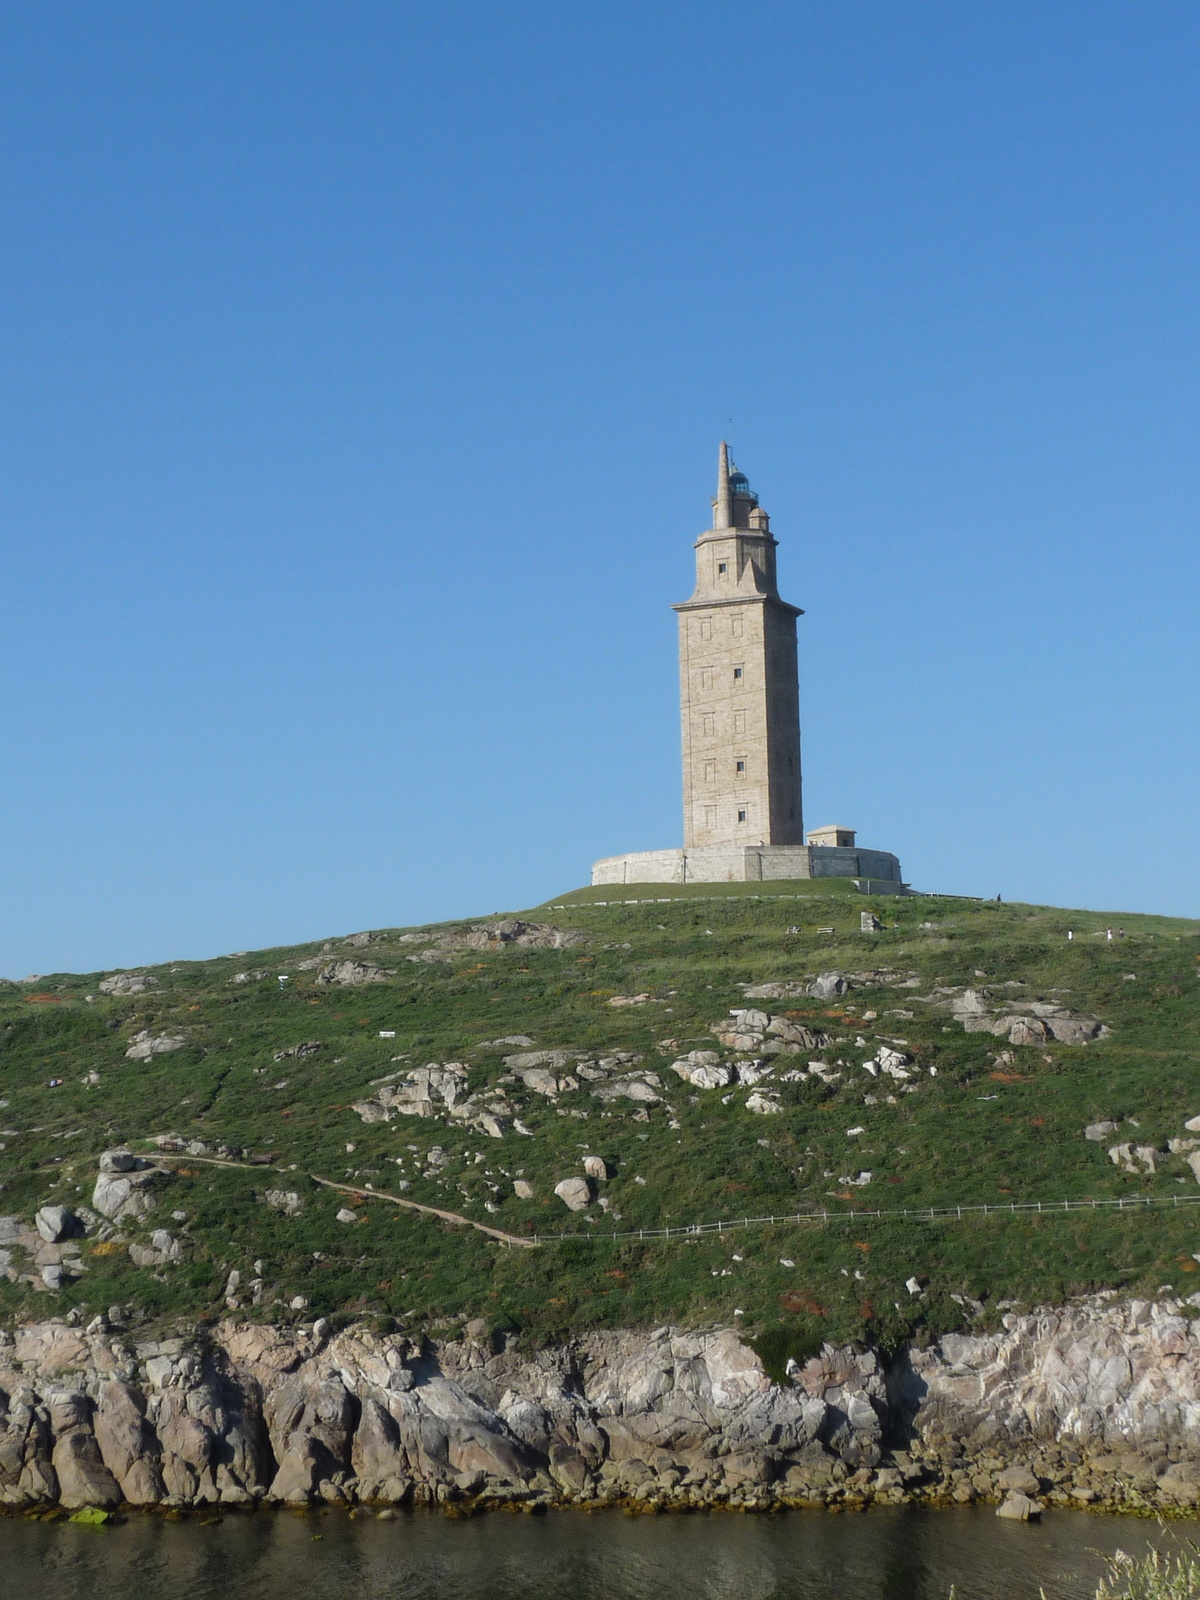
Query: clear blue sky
x,y
362,368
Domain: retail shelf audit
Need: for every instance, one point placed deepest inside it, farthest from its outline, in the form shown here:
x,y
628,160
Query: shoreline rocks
x,y
1096,1405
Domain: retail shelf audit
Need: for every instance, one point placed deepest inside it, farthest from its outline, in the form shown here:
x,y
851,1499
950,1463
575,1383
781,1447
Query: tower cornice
x,y
758,599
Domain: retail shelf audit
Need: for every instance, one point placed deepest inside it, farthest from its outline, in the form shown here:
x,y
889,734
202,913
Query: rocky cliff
x,y
1095,1404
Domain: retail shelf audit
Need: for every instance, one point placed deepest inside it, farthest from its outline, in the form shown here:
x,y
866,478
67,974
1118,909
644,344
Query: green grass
x,y
945,1145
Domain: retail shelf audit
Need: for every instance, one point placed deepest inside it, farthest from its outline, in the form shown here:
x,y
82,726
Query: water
x,y
894,1554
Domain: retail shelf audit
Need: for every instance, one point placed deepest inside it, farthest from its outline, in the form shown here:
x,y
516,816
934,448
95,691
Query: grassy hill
x,y
967,1117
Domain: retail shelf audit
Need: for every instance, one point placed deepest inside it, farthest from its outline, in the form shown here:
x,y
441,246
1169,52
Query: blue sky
x,y
362,369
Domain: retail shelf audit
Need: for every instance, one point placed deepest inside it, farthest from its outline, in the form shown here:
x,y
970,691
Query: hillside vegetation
x,y
993,1041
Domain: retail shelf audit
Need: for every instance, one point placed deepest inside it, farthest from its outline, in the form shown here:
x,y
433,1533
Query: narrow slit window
x,y
742,815
737,674
739,766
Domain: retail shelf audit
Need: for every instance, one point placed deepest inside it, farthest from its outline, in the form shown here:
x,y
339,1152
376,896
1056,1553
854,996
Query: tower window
x,y
737,674
739,722
710,772
710,723
741,816
705,628
722,566
739,766
710,816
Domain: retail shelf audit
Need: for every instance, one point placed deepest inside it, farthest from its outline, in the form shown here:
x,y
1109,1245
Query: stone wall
x,y
746,864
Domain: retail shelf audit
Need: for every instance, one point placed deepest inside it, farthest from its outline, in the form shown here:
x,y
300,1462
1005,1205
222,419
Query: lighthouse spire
x,y
723,516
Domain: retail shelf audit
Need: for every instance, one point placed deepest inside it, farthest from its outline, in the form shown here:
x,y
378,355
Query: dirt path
x,y
181,1158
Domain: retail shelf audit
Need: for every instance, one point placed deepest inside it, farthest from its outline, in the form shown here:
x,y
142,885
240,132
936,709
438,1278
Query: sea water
x,y
900,1553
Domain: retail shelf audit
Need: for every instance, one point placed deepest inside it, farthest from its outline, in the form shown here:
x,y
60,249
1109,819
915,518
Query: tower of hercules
x,y
739,689
740,701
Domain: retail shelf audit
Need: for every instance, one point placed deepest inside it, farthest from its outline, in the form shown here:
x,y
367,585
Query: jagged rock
x,y
971,1003
792,1033
56,1223
1031,1022
522,1189
1127,1157
121,1161
1074,1030
642,1087
285,1200
424,1092
596,1167
247,1412
350,972
888,1061
1099,1131
575,1193
83,1478
127,983
527,935
827,986
161,1249
128,1444
1020,1508
122,1190
346,1215
1018,1479
735,1040
1022,1030
145,1045
764,1103
308,1048
1181,1482
704,1070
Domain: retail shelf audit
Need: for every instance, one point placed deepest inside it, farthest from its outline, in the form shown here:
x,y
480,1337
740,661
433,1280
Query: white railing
x,y
1046,1208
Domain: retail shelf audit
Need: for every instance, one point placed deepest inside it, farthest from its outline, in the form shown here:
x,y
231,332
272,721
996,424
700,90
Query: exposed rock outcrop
x,y
1096,1404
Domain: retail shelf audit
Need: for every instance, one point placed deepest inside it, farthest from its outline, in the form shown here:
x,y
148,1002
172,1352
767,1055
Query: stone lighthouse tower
x,y
740,702
739,690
